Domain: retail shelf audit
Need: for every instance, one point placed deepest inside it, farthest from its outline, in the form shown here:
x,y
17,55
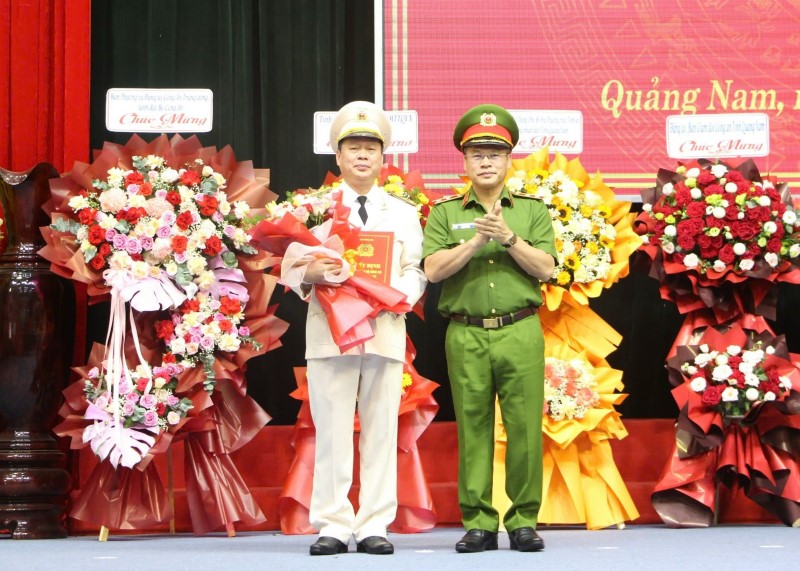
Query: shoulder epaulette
x,y
325,189
516,194
405,199
448,198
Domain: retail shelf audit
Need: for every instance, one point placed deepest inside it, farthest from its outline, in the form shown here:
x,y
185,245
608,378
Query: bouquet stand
x,y
105,532
719,237
161,227
755,452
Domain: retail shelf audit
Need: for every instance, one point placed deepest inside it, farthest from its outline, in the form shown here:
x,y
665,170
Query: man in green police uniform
x,y
491,248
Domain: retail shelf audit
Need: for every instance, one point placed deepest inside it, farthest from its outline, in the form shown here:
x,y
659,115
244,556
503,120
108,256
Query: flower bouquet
x,y
719,236
310,206
313,206
203,326
161,229
159,238
594,238
570,389
594,241
735,380
738,390
410,187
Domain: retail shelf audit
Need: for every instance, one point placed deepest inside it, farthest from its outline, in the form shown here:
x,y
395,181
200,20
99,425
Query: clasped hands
x,y
493,227
318,268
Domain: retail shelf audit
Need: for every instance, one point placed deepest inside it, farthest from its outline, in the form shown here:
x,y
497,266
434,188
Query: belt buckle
x,y
491,322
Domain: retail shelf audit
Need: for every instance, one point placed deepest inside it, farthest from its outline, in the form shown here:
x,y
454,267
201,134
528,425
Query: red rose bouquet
x,y
738,389
719,236
731,374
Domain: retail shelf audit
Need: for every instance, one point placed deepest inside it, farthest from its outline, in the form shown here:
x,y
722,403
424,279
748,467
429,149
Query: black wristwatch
x,y
511,241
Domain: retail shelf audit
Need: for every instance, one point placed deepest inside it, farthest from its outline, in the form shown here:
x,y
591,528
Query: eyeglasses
x,y
494,158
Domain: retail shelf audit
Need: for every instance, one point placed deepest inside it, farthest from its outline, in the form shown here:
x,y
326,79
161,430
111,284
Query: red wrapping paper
x,y
123,498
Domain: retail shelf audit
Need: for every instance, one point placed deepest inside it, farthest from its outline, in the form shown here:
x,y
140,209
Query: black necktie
x,y
362,210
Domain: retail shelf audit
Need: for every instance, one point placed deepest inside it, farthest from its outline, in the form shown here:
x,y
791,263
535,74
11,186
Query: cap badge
x,y
488,120
362,115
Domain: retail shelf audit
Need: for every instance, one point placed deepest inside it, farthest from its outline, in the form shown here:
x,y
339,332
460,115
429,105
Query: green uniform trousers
x,y
507,362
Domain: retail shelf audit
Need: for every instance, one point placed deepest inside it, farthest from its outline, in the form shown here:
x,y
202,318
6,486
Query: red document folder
x,y
374,255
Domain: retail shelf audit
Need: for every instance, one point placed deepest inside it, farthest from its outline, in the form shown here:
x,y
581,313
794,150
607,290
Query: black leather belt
x,y
497,321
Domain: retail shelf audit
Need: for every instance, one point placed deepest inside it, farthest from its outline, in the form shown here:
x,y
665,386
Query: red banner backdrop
x,y
44,82
625,64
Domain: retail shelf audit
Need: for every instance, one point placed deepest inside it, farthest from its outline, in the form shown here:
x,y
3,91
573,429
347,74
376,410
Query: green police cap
x,y
486,125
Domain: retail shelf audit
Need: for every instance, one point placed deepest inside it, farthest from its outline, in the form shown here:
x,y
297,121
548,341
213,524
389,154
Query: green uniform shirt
x,y
491,283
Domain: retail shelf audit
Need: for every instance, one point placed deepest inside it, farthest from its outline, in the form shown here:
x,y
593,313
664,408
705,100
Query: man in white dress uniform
x,y
370,373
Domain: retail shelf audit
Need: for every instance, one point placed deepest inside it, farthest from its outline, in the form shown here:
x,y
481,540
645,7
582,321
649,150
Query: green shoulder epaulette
x,y
405,199
448,198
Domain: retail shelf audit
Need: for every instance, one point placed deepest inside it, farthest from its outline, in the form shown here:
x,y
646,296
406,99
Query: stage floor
x,y
651,547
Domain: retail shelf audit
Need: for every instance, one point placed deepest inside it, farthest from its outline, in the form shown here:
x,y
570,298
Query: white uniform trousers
x,y
334,383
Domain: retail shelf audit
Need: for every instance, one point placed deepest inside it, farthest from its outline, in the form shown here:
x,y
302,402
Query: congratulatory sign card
x,y
718,136
159,110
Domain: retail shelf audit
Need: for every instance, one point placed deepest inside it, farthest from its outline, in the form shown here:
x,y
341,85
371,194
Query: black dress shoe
x,y
328,546
477,540
375,545
525,539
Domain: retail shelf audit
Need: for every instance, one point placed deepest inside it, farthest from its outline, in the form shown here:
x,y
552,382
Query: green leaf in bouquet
x,y
183,277
89,253
184,405
66,225
229,259
209,186
122,226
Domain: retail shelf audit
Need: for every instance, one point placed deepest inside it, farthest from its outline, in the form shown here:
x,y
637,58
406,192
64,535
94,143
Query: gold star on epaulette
x,y
448,198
